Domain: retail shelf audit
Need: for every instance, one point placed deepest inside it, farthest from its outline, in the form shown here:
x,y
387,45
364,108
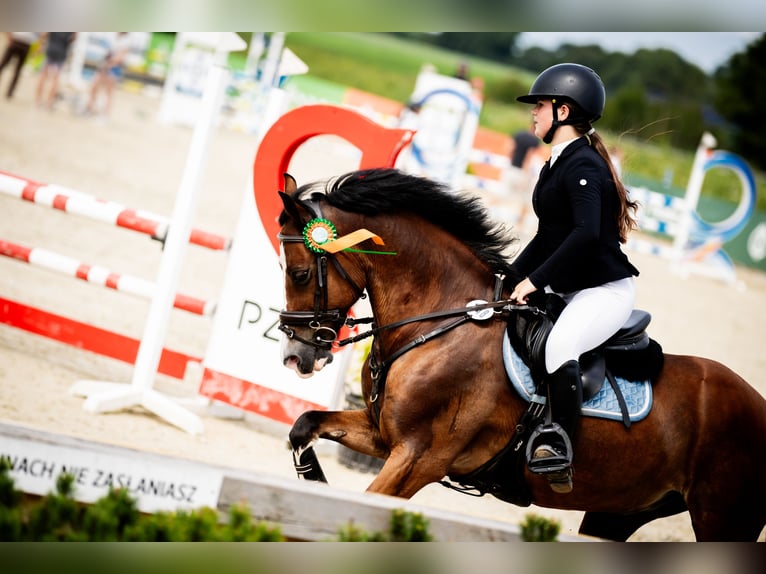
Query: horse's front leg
x,y
353,429
407,470
419,454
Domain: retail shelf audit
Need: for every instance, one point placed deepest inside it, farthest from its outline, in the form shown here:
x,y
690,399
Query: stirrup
x,y
557,469
546,459
542,456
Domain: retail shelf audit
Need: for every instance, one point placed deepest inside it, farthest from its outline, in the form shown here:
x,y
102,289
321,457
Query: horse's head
x,y
319,291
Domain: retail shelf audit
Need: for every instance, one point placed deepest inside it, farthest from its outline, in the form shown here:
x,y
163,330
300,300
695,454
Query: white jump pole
x,y
77,61
692,196
105,396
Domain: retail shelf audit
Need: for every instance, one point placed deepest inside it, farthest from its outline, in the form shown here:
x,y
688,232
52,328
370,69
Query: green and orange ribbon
x,y
317,232
320,235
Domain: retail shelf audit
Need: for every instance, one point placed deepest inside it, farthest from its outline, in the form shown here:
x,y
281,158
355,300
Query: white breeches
x,y
590,318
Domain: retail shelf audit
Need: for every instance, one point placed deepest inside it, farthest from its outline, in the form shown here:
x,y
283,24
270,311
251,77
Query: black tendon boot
x,y
549,451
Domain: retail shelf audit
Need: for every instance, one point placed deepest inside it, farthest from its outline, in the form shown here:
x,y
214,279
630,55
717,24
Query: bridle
x,y
323,336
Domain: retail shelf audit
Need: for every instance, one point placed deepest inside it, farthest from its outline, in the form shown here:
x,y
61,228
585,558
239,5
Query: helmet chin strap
x,y
555,124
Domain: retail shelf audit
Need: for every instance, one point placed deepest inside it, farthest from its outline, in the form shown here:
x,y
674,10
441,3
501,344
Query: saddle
x,y
629,353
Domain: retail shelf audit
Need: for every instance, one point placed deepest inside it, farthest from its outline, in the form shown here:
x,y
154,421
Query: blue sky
x,y
708,50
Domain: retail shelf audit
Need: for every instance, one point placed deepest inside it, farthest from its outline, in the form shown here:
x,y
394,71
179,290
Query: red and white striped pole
x,y
99,275
103,395
86,205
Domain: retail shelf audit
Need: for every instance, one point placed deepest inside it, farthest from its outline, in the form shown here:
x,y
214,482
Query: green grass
x,y
388,66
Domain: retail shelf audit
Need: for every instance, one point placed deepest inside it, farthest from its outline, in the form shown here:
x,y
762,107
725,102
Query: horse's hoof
x,y
307,465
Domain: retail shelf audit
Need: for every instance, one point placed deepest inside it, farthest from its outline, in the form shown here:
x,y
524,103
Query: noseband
x,y
323,336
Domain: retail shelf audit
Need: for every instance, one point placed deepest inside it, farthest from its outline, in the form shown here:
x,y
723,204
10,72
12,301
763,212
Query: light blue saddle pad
x,y
638,395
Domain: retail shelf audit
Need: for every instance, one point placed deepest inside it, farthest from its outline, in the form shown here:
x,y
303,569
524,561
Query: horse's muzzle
x,y
307,354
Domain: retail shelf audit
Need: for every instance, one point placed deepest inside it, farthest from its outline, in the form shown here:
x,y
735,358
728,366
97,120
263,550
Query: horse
x,y
438,404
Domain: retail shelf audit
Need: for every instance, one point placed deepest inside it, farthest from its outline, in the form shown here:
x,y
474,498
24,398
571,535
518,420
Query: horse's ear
x,y
290,207
290,185
287,201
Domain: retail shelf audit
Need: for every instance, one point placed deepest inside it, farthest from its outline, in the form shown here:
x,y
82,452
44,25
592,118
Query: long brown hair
x,y
626,216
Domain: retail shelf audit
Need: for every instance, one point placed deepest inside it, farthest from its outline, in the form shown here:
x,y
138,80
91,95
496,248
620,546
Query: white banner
x,y
173,485
243,362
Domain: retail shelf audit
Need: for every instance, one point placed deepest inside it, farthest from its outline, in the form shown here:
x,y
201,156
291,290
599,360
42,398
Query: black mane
x,y
390,191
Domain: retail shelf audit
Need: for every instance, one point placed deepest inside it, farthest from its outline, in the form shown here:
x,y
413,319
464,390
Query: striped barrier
x,y
76,333
87,337
657,213
99,275
85,205
488,170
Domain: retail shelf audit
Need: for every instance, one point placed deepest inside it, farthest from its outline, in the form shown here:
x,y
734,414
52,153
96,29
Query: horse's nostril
x,y
292,361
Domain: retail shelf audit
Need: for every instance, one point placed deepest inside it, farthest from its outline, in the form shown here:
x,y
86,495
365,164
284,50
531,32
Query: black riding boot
x,y
550,449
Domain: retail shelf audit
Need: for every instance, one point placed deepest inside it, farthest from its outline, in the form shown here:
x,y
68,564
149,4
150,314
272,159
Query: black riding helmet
x,y
568,82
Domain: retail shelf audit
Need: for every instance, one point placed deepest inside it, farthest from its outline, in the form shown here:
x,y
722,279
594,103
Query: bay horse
x,y
437,397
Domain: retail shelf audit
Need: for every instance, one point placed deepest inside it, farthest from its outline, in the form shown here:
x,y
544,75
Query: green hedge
x,y
116,518
58,517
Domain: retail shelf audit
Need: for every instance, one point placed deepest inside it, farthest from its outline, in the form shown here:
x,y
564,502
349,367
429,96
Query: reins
x,y
378,369
499,307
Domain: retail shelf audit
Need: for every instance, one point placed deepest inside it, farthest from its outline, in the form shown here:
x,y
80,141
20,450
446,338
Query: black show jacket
x,y
577,244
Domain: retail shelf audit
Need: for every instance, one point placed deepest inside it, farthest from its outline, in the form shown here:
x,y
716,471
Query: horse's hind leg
x,y
619,527
737,519
349,428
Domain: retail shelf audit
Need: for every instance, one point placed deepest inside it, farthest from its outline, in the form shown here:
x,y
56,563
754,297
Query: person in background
x,y
523,142
108,74
584,214
19,45
527,156
461,72
56,52
530,169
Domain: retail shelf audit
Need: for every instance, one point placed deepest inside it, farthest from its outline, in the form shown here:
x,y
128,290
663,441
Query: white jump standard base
x,y
104,396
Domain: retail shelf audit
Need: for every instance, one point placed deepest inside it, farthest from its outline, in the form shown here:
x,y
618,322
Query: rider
x,y
584,213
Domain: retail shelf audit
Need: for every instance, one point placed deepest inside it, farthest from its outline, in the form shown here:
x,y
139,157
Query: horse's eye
x,y
300,276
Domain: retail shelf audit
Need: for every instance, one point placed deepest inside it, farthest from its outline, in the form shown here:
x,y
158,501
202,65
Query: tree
x,y
498,46
493,46
740,90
